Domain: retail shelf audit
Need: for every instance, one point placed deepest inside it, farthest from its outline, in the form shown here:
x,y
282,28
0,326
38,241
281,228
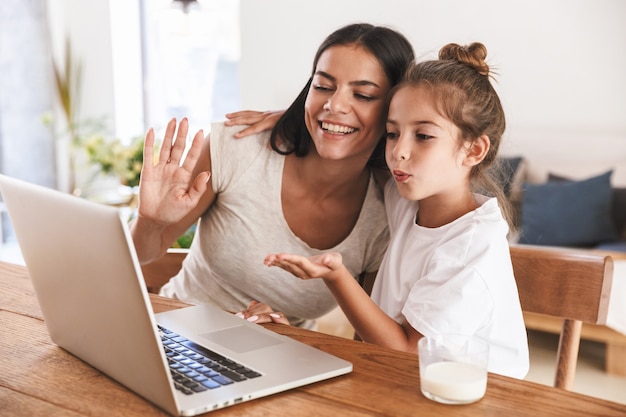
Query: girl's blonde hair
x,y
460,85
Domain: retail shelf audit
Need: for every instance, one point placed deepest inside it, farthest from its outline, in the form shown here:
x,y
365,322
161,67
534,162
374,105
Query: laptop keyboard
x,y
196,369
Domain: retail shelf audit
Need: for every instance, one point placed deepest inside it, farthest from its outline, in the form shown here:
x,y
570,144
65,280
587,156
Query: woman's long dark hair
x,y
394,53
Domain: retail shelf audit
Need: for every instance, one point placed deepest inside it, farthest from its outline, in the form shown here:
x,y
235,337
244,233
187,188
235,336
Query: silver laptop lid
x,y
92,295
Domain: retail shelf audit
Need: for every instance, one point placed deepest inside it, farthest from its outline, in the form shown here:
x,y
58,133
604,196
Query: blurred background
x,y
80,78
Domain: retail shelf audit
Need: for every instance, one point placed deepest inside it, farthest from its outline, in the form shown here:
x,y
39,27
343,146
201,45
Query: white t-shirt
x,y
457,278
246,222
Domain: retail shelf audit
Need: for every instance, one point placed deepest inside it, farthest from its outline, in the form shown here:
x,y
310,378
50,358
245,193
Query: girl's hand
x,y
167,192
258,121
320,266
262,313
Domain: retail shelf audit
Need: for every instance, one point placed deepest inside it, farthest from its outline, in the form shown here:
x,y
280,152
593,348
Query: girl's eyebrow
x,y
356,83
415,123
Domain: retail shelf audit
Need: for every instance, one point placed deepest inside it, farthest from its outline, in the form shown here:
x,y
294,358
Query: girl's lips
x,y
400,176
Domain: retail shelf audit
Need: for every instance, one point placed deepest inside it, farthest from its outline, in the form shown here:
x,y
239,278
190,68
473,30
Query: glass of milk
x,y
453,368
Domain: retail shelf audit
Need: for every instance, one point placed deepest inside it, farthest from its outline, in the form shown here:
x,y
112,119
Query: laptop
x,y
89,284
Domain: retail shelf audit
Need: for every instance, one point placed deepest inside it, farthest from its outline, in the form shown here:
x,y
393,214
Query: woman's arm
x,y
173,192
258,121
371,323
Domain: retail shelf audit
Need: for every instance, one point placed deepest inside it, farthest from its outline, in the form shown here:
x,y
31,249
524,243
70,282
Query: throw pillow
x,y
569,213
618,207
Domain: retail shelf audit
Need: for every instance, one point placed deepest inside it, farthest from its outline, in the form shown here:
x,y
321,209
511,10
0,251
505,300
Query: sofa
x,y
568,190
565,211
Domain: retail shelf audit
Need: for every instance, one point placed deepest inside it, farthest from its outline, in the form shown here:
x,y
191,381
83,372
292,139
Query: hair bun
x,y
473,55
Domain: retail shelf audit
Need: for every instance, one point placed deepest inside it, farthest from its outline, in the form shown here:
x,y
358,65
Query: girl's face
x,y
422,149
345,104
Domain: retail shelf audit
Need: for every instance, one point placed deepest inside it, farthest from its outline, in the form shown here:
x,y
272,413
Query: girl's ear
x,y
477,151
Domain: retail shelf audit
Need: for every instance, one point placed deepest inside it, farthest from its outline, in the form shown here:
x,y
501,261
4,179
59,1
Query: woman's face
x,y
345,104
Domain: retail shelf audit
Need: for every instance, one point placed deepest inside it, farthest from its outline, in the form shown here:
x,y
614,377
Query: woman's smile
x,y
337,129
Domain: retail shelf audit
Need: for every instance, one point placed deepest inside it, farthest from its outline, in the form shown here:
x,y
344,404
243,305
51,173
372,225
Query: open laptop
x,y
89,284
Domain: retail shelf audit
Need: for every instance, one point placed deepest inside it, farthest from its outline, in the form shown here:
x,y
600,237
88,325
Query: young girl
x,y
447,268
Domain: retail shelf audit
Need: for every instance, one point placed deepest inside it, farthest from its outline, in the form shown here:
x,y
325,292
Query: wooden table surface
x,y
37,378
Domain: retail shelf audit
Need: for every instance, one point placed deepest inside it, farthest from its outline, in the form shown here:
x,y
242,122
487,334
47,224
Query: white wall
x,y
561,63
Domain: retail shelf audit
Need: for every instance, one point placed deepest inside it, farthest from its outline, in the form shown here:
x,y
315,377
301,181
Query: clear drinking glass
x,y
453,368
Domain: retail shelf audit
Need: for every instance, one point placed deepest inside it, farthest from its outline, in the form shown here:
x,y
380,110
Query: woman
x,y
313,191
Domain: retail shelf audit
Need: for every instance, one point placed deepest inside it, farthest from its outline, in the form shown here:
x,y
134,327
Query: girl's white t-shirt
x,y
457,278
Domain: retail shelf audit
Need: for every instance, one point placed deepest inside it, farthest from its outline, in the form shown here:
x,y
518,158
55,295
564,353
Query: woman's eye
x,y
364,97
322,88
392,135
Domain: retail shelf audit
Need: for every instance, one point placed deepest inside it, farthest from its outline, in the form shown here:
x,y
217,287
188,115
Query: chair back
x,y
571,284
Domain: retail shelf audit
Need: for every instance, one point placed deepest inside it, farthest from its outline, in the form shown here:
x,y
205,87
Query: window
x,y
191,58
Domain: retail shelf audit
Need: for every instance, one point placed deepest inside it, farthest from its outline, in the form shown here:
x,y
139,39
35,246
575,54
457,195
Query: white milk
x,y
454,382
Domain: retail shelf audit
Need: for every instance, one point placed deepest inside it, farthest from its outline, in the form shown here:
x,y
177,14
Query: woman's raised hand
x,y
258,121
167,191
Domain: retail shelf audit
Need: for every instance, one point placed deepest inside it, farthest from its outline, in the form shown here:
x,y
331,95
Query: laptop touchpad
x,y
242,339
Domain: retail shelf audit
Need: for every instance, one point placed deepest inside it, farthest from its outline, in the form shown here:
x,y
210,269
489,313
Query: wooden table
x,y
37,378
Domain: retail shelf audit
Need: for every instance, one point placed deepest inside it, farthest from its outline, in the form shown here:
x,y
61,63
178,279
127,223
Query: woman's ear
x,y
477,151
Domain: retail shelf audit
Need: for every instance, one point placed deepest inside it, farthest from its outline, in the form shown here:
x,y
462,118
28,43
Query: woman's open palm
x,y
167,192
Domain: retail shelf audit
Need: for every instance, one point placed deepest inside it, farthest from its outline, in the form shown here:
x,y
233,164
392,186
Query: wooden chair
x,y
570,284
157,273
